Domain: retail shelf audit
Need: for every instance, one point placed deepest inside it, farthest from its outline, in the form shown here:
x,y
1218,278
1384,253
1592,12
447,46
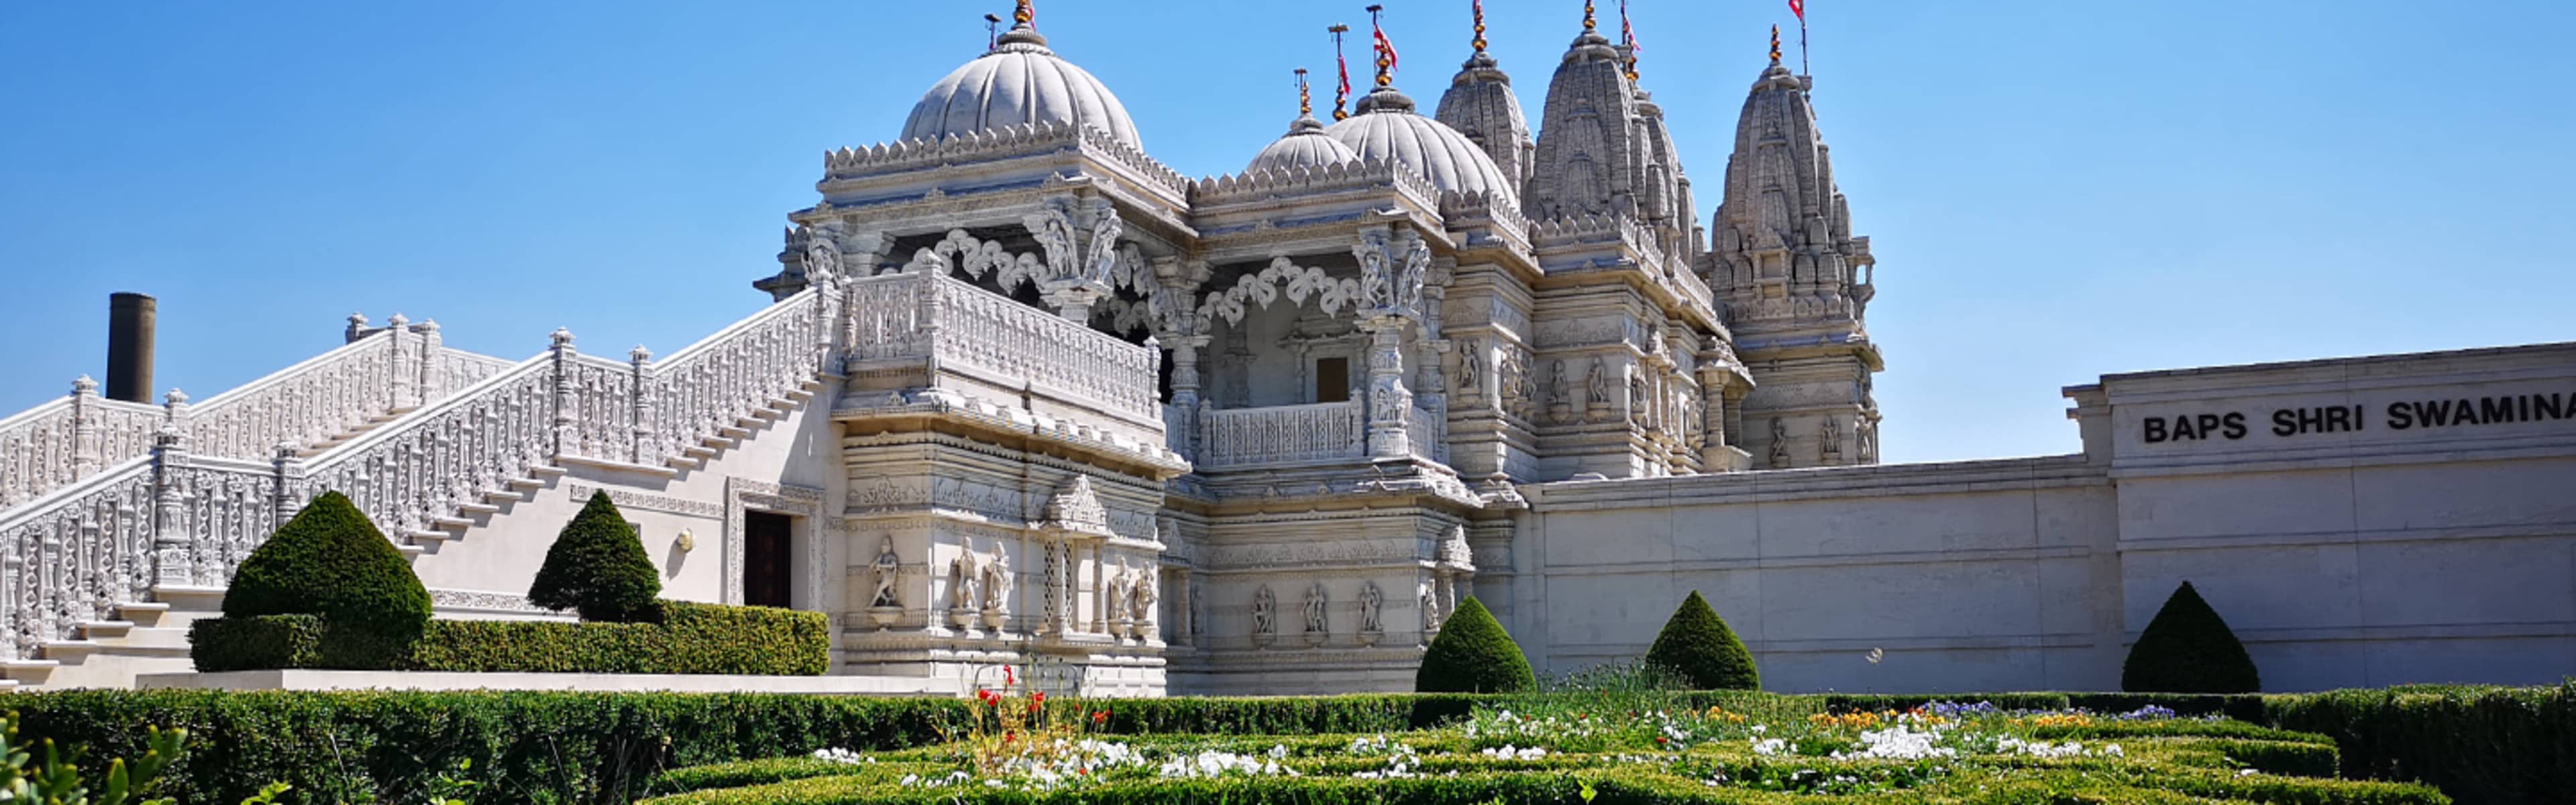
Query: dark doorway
x,y
1332,380
765,564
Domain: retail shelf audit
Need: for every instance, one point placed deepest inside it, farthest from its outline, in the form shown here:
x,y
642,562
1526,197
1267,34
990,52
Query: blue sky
x,y
2055,190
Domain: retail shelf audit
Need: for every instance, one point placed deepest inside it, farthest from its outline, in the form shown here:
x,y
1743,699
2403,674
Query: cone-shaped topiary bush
x,y
1697,645
598,567
2188,649
1472,654
330,562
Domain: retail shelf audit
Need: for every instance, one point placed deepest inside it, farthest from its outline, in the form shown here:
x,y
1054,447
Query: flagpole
x,y
1802,45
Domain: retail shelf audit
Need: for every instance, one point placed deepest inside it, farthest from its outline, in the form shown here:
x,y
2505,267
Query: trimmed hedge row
x,y
2482,745
693,638
1617,786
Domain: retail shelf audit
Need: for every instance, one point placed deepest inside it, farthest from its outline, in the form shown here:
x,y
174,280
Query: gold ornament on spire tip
x,y
1775,45
1025,14
1305,97
1479,41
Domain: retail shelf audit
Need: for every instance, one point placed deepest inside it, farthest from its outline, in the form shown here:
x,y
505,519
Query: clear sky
x,y
2055,189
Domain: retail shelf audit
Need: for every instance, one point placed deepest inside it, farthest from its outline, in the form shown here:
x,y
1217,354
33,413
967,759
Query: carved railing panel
x,y
979,329
305,404
73,555
723,378
425,465
1239,436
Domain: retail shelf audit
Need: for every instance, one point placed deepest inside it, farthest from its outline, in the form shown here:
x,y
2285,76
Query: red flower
x,y
1008,736
1100,717
1038,697
1662,740
1007,677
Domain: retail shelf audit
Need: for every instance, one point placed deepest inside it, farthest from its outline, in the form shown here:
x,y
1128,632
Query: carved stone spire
x,y
1480,104
1602,149
1793,281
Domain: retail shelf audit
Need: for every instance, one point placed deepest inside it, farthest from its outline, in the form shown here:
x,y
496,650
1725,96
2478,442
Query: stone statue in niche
x,y
1560,403
1525,383
1265,615
1831,435
1598,390
886,570
1867,432
1371,600
996,585
1113,611
961,588
1318,614
1471,367
1779,443
1430,610
1146,595
1638,407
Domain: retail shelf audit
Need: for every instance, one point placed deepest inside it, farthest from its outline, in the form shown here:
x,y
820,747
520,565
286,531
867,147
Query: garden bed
x,y
1600,749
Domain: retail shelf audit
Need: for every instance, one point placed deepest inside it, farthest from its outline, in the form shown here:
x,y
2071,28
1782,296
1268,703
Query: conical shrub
x,y
1472,654
598,567
2188,649
1697,645
329,561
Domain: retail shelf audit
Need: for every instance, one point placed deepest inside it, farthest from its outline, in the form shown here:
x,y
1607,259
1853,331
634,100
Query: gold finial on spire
x,y
1385,49
1026,14
1342,93
1305,97
1775,45
1587,16
1479,41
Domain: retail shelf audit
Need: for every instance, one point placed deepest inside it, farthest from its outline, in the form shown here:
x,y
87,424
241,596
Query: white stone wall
x,y
2342,554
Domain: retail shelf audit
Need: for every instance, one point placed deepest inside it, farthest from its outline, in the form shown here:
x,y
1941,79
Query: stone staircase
x,y
145,637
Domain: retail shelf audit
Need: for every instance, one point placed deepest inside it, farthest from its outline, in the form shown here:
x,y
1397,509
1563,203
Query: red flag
x,y
1799,7
1344,68
1384,48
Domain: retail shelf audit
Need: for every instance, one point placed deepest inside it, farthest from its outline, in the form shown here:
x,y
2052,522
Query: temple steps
x,y
316,448
143,637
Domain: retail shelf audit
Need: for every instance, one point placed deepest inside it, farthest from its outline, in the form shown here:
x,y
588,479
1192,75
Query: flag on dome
x,y
1384,48
1799,7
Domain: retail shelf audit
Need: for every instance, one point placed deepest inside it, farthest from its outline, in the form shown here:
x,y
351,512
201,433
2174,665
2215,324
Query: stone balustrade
x,y
1235,437
921,315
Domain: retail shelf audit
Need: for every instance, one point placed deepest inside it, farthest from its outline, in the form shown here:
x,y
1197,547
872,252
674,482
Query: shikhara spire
x,y
1480,104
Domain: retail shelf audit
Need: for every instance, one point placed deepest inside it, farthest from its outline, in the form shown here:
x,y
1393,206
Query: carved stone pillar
x,y
1185,394
404,384
282,492
432,342
1388,400
169,528
565,437
641,448
85,446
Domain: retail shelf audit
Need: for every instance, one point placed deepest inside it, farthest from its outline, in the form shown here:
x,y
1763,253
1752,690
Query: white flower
x,y
1508,752
1769,746
837,755
1761,728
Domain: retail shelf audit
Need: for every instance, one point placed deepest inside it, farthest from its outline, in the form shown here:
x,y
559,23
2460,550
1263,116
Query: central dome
x,y
1020,82
1387,128
1305,146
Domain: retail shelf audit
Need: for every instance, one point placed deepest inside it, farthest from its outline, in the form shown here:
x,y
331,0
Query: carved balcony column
x,y
431,343
1388,400
640,445
85,436
404,367
1185,394
564,436
170,536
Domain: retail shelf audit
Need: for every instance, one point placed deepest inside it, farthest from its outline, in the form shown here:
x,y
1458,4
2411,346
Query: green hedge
x,y
692,639
2483,745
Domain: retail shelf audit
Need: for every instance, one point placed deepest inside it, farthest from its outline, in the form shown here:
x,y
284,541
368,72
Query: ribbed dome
x,y
1305,146
1387,128
1020,82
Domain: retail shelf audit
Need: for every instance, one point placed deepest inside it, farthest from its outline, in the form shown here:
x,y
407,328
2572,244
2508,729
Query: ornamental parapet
x,y
1592,242
968,342
1269,185
997,144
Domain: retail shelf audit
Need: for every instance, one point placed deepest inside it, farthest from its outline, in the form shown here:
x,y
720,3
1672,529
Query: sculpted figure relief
x,y
997,580
1430,608
1599,383
1317,611
1370,601
1868,435
1265,612
1832,437
887,570
1779,443
961,580
1146,594
1471,366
